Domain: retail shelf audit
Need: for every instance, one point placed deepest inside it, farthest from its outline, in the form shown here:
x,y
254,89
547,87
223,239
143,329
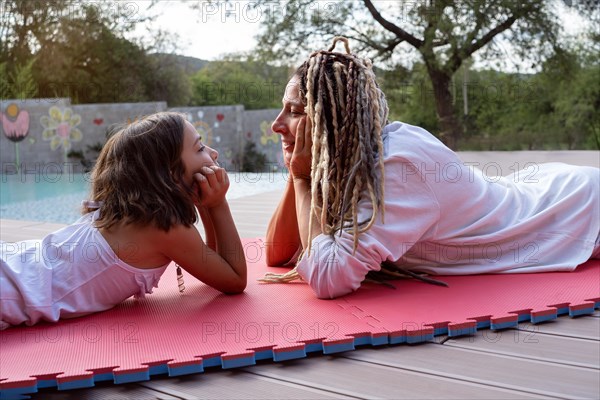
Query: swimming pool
x,y
57,197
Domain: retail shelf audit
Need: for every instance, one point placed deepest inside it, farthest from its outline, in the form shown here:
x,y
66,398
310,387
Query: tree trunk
x,y
450,126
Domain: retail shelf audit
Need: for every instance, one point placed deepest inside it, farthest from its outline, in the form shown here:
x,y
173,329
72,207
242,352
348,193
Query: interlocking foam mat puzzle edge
x,y
178,334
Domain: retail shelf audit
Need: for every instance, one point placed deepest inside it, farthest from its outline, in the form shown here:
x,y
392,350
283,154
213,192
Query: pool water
x,y
57,198
24,187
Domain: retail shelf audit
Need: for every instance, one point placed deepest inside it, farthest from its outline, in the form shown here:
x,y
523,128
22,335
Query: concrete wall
x,y
257,128
38,134
220,128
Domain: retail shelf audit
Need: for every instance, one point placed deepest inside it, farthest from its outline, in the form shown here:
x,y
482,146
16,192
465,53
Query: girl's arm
x,y
223,268
282,238
209,229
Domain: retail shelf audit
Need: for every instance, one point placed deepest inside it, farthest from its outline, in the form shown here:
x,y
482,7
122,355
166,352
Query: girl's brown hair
x,y
138,176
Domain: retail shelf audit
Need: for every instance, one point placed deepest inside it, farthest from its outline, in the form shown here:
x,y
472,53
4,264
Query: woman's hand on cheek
x,y
213,183
300,163
287,156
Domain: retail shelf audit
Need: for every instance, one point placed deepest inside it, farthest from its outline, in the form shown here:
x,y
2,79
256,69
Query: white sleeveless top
x,y
69,273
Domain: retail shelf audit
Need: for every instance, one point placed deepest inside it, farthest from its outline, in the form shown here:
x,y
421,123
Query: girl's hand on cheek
x,y
213,182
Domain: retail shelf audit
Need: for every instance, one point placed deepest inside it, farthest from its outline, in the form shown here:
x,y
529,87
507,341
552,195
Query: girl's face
x,y
195,154
287,121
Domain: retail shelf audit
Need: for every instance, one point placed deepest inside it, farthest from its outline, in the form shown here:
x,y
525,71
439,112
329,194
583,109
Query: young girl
x,y
148,183
371,198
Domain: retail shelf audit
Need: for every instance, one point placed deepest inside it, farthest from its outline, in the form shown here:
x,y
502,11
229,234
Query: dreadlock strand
x,y
373,147
325,146
339,69
379,118
313,108
319,151
340,39
324,159
355,197
289,276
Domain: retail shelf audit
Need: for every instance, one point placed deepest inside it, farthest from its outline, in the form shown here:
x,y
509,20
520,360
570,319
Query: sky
x,y
210,31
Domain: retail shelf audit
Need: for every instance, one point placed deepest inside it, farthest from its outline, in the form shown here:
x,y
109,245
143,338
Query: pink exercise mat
x,y
176,334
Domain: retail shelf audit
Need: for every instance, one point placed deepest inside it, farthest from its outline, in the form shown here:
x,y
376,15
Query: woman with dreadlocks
x,y
372,199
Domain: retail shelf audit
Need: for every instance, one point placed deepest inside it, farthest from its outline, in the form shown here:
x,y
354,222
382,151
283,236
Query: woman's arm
x,y
303,215
282,238
289,226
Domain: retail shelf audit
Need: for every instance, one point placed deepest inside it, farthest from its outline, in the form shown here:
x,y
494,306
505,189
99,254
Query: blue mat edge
x,y
282,355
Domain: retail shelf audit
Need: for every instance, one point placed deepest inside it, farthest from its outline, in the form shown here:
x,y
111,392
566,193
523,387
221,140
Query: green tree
x,y
414,102
443,33
167,80
576,100
555,108
23,86
251,159
81,51
98,66
18,84
493,106
254,84
29,25
4,82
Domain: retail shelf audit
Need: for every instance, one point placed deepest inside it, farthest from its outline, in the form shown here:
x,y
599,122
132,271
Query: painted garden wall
x,y
40,134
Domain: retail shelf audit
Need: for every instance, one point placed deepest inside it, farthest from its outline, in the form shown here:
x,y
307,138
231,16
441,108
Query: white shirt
x,y
69,273
445,218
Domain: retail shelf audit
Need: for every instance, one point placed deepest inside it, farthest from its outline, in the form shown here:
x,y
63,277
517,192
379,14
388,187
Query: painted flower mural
x,y
267,134
60,128
204,131
15,124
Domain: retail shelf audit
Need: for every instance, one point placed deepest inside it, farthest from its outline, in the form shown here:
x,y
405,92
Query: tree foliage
x,y
443,33
79,50
254,84
19,83
555,108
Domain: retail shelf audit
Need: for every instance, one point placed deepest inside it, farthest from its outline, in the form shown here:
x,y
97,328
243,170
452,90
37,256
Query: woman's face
x,y
287,121
195,154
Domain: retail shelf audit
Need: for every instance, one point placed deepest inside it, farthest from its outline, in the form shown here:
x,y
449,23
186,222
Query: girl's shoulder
x,y
139,246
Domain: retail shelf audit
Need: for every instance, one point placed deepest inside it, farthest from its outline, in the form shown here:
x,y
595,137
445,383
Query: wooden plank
x,y
581,327
13,230
533,345
371,380
235,384
104,391
529,376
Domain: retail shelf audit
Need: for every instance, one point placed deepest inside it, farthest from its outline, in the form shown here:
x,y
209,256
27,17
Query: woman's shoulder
x,y
410,142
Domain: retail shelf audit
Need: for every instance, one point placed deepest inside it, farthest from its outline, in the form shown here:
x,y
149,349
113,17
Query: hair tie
x,y
92,204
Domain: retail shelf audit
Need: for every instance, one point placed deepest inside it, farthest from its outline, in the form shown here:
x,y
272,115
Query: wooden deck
x,y
557,359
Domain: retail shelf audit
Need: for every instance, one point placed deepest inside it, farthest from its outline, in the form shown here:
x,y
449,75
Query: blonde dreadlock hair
x,y
348,111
